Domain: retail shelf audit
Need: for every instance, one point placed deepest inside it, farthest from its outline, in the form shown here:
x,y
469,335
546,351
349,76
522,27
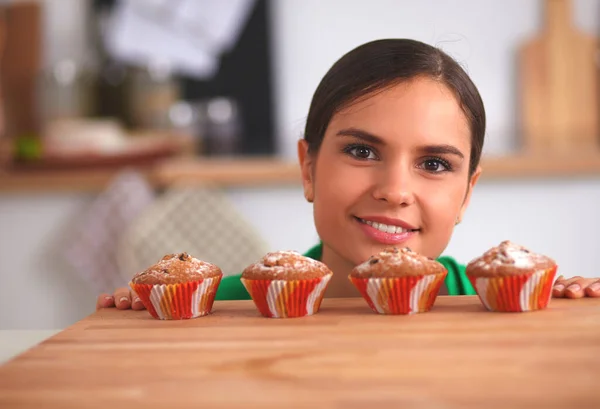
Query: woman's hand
x,y
123,299
576,287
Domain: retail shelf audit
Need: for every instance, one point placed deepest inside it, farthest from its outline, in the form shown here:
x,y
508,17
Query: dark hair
x,y
379,64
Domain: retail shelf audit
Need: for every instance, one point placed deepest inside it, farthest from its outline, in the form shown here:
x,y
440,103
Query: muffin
x,y
511,278
399,281
286,284
178,287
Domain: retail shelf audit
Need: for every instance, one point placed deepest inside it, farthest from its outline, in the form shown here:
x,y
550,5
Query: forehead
x,y
421,109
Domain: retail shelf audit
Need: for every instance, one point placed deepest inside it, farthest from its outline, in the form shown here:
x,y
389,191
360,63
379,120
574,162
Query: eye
x,y
436,165
362,152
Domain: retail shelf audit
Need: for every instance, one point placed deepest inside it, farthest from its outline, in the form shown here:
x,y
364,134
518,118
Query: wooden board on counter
x,y
346,356
558,84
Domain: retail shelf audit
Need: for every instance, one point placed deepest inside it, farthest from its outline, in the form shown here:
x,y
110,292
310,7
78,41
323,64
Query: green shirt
x,y
457,283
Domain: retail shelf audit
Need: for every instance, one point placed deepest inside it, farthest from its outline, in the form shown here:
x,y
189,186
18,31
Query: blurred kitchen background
x,y
135,128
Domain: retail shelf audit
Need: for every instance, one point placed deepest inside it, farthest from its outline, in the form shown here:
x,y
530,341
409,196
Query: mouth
x,y
386,231
390,227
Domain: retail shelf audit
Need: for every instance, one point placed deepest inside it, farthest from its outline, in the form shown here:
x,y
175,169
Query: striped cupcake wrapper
x,y
519,293
400,295
178,301
287,298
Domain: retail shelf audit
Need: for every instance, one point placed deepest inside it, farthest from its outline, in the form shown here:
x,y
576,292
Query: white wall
x,y
556,217
36,291
560,218
483,35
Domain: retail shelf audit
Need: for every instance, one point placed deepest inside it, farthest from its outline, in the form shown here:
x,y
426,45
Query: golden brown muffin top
x,y
285,265
175,269
508,259
397,262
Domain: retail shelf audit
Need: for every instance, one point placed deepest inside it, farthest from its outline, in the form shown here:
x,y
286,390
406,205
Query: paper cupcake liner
x,y
519,293
178,301
400,295
287,298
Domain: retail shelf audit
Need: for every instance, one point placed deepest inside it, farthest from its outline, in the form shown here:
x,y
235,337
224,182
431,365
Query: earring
x,y
457,222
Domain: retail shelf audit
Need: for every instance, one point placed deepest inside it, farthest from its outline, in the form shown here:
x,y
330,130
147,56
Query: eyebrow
x,y
441,150
427,149
360,134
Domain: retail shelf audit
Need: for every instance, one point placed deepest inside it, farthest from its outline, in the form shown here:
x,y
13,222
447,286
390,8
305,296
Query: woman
x,y
390,156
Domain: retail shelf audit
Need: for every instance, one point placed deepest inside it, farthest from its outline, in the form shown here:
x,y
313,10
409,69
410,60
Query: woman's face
x,y
393,169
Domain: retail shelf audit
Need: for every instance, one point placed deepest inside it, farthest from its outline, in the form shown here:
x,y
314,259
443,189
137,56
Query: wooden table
x,y
457,355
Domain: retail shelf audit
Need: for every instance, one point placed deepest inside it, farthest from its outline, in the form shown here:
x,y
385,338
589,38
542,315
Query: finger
x,y
561,284
569,281
593,290
105,301
558,290
122,298
575,288
137,302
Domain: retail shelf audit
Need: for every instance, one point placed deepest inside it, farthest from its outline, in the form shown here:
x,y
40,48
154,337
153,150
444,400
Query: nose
x,y
395,187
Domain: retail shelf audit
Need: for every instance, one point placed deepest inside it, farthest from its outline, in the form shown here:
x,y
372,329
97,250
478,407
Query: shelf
x,y
581,164
254,172
221,172
228,172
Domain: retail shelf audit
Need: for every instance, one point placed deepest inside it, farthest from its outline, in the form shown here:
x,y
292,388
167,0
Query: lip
x,y
388,221
385,238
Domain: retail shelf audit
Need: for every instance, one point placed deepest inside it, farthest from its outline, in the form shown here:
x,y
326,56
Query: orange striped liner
x,y
287,298
178,301
400,295
518,293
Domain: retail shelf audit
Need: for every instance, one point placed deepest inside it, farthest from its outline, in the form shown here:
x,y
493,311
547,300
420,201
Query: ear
x,y
306,167
473,180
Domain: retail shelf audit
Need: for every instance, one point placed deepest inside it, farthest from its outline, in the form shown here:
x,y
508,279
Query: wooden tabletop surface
x,y
456,356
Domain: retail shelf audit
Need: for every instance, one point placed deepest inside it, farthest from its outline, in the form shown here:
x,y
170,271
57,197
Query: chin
x,y
356,255
365,254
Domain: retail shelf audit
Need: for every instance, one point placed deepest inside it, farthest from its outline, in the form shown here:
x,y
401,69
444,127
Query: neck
x,y
339,285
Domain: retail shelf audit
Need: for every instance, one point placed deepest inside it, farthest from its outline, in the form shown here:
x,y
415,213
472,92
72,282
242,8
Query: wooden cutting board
x,y
20,66
558,85
458,355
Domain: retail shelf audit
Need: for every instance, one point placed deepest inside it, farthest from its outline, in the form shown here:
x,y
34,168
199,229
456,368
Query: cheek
x,y
338,188
443,205
341,183
439,212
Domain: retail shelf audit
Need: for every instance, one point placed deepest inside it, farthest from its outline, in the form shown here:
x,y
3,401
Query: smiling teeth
x,y
386,228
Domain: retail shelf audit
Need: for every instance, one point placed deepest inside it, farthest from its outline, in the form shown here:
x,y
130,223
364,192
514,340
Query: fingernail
x,y
559,287
123,299
595,287
574,287
108,298
137,300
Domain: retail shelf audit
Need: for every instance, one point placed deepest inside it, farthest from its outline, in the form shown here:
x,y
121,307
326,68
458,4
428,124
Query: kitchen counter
x,y
346,356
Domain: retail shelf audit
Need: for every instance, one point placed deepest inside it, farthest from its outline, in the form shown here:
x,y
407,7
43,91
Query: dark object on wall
x,y
112,85
245,75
